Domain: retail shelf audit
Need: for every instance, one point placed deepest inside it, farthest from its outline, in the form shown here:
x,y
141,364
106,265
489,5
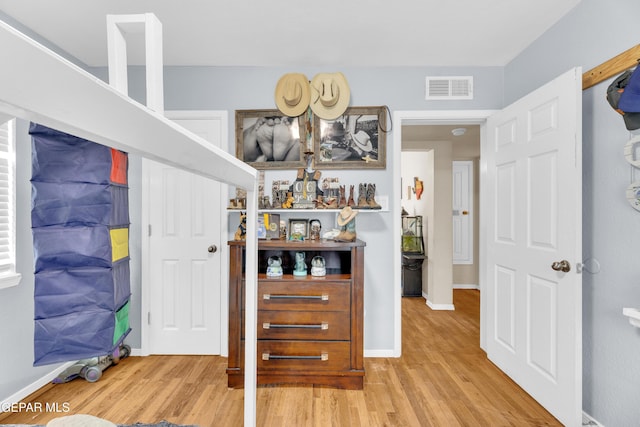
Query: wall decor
x,y
267,139
632,151
355,140
633,195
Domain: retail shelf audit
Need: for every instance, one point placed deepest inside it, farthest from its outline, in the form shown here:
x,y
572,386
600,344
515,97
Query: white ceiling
x,y
295,33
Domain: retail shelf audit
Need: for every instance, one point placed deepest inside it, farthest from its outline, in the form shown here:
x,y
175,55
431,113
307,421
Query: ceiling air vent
x,y
442,88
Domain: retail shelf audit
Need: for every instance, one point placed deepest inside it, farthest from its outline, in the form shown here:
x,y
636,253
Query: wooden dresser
x,y
309,328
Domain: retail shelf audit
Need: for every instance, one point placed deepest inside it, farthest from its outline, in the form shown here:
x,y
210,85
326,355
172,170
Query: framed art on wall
x,y
355,140
266,139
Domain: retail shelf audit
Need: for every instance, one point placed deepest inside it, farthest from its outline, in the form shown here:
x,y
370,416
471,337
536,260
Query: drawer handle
x,y
267,325
323,297
266,356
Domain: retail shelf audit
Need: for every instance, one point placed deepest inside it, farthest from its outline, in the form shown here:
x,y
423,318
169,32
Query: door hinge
x,y
149,227
148,318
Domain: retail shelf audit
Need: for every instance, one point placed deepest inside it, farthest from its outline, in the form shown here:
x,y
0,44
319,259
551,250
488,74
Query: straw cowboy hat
x,y
329,95
363,141
293,94
346,215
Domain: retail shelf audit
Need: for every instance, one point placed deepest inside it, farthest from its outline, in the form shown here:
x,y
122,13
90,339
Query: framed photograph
x,y
298,229
266,139
355,140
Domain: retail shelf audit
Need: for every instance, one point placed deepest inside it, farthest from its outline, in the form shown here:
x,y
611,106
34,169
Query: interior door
x,y
462,215
534,324
184,257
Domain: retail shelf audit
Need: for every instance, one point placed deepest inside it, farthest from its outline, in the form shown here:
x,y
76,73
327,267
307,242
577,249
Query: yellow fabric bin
x,y
119,243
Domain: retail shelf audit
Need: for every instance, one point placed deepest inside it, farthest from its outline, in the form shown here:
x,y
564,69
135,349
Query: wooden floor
x,y
442,379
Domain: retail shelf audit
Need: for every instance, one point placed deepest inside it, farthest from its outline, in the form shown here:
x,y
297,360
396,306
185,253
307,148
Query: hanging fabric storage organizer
x,y
80,225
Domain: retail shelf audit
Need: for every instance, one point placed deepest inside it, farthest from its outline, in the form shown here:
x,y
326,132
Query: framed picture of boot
x,y
355,140
266,139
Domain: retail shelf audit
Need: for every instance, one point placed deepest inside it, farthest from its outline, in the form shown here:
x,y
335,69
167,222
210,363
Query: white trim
x,y
466,286
379,353
425,118
10,280
432,306
33,387
588,420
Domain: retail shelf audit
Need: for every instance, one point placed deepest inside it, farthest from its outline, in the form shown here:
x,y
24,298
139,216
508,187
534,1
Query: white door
x,y
534,324
462,214
184,254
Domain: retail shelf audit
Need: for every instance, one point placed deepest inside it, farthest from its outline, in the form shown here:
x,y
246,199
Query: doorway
x,y
441,293
182,275
442,158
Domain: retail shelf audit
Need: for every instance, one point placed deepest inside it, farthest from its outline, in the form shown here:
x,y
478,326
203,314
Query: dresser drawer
x,y
312,296
304,325
303,355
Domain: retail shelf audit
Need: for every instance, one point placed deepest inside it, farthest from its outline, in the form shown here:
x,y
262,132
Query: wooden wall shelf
x,y
616,65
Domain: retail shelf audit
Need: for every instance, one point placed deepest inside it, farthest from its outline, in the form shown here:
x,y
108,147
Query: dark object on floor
x,y
91,369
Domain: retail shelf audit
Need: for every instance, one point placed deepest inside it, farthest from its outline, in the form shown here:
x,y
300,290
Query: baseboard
x,y
433,306
466,286
588,420
379,353
33,387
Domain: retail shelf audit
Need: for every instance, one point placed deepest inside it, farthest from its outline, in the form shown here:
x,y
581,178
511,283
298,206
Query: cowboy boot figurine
x,y
351,203
362,197
371,197
342,202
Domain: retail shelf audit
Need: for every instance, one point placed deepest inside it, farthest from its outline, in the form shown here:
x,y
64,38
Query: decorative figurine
x,y
314,229
241,232
288,204
318,268
300,268
347,222
274,268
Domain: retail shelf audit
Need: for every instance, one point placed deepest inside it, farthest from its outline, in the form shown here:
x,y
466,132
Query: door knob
x,y
212,249
563,266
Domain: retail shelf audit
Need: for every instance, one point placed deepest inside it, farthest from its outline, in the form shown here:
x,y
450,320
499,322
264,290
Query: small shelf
x,y
634,316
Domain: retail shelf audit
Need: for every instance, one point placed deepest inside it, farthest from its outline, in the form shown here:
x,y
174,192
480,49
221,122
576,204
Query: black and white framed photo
x,y
267,139
355,140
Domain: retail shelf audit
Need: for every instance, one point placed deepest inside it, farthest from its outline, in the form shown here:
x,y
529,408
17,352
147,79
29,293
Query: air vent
x,y
442,88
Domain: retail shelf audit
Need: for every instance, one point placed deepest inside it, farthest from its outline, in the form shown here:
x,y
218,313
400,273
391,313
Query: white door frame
x,y
222,249
434,117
